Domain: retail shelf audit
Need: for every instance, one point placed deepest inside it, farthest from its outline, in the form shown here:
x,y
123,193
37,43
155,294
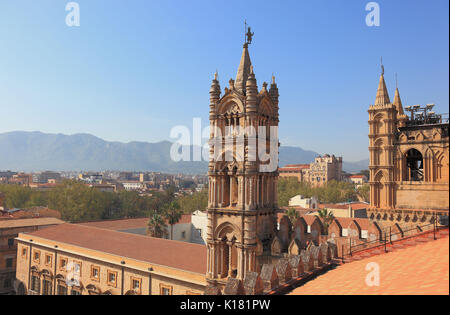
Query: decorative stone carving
x,y
308,262
284,270
234,287
296,266
253,284
269,277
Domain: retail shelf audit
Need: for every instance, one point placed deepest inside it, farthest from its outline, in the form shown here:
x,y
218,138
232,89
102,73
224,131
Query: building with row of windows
x,y
324,169
72,259
9,230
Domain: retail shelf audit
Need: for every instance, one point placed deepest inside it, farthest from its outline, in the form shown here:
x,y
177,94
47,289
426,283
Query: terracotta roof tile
x,y
126,224
181,255
309,219
29,222
421,269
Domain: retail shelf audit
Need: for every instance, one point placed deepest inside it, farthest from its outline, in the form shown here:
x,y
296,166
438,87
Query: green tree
x,y
173,215
364,192
327,218
194,202
292,214
157,226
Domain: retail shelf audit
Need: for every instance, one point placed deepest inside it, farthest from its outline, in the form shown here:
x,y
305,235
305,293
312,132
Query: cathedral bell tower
x,y
383,123
242,201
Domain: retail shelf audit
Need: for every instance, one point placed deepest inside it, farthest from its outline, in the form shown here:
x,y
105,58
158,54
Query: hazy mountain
x,y
353,167
36,151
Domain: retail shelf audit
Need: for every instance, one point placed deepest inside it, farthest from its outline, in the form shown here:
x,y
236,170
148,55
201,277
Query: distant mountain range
x,y
37,151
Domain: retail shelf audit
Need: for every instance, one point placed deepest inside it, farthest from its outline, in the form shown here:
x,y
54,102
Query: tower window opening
x,y
414,163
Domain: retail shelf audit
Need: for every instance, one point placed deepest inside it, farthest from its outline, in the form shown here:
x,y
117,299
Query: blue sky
x,y
134,69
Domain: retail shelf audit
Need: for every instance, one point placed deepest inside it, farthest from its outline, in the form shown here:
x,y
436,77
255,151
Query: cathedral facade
x,y
242,201
409,161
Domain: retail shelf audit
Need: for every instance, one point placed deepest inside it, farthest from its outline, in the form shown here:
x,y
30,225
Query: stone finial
x,y
264,88
253,284
308,262
296,265
269,277
284,270
234,287
316,256
325,252
231,84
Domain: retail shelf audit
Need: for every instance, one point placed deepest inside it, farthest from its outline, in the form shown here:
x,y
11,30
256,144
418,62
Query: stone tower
x,y
382,128
242,184
409,161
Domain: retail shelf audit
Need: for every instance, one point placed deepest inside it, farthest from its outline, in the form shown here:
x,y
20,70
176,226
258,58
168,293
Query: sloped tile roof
x,y
421,269
180,255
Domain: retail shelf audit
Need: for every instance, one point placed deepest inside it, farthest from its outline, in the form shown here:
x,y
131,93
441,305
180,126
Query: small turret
x,y
252,92
214,93
382,97
274,94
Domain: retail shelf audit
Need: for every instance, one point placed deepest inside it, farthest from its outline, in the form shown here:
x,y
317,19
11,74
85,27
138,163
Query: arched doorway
x,y
414,165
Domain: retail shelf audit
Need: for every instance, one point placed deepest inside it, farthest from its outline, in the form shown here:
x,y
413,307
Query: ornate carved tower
x,y
408,161
242,183
382,129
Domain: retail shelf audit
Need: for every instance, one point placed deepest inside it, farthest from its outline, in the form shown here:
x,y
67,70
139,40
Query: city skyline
x,y
126,74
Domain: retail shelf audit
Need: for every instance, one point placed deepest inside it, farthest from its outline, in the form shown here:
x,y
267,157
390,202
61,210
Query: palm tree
x,y
157,226
327,217
173,215
293,215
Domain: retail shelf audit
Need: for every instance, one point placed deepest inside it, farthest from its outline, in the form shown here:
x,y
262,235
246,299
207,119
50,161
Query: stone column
x,y
231,190
230,258
222,191
240,192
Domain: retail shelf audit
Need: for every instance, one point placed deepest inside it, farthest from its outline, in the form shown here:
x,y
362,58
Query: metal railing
x,y
387,237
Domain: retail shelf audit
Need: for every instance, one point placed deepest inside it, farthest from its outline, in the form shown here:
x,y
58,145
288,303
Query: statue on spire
x,y
249,36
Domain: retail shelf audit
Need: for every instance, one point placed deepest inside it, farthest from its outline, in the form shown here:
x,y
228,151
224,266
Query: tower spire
x,y
397,100
245,64
382,97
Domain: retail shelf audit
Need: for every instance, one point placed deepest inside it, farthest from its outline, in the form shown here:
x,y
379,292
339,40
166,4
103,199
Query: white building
x,y
133,185
307,203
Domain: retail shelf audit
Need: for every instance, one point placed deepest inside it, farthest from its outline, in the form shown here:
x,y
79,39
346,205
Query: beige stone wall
x,y
125,274
422,196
